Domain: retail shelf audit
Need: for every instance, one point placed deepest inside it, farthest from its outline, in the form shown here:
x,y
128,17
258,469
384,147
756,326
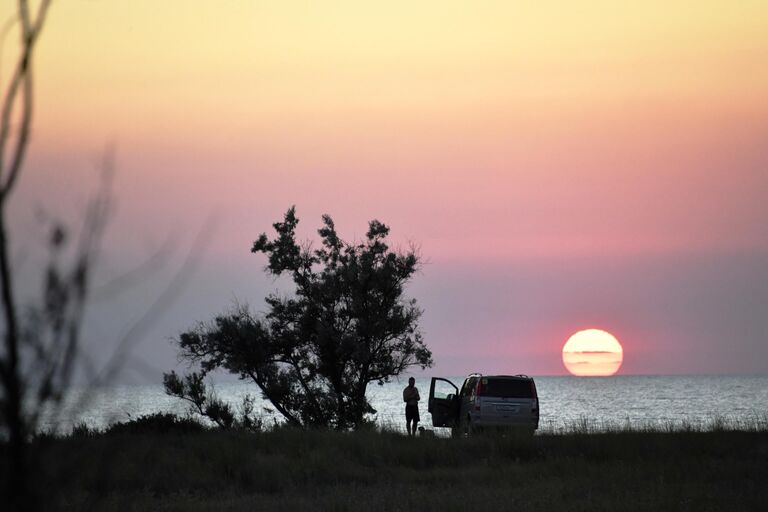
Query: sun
x,y
594,353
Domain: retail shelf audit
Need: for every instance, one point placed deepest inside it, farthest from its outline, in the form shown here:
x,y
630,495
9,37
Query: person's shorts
x,y
412,413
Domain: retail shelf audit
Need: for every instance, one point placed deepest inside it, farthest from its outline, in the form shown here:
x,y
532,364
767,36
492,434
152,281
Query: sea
x,y
566,403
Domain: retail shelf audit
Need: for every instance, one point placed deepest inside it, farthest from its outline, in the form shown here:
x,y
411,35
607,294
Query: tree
x,y
41,351
313,354
18,103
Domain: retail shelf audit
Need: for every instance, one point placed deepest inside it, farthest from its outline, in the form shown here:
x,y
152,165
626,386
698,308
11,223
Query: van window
x,y
443,389
506,388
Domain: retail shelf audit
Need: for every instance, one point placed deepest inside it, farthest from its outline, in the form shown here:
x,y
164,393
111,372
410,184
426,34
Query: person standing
x,y
411,399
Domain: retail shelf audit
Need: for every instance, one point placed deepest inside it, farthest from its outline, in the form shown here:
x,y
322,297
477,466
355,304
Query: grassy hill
x,y
192,468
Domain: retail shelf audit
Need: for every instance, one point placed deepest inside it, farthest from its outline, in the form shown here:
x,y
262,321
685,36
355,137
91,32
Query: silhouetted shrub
x,y
83,430
158,423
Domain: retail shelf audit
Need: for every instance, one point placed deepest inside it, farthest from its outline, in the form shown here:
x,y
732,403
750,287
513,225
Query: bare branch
x,y
21,78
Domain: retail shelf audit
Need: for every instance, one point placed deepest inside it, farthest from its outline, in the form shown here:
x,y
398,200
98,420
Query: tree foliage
x,y
346,325
204,402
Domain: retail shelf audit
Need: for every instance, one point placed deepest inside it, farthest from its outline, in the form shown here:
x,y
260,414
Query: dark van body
x,y
485,401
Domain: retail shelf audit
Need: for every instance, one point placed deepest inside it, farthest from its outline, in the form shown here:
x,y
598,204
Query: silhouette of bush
x,y
83,430
159,423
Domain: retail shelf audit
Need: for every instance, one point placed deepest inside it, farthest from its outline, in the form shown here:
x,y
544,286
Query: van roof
x,y
518,376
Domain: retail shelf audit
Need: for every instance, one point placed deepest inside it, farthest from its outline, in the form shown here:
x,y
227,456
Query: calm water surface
x,y
565,401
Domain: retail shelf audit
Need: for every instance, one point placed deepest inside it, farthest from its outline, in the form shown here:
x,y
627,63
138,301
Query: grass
x,y
283,469
756,422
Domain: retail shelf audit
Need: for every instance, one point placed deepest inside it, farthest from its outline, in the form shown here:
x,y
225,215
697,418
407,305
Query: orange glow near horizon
x,y
593,353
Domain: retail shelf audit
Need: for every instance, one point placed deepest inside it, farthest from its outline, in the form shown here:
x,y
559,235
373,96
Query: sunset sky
x,y
562,165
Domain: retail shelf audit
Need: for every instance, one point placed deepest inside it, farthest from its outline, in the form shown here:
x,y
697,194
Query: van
x,y
497,401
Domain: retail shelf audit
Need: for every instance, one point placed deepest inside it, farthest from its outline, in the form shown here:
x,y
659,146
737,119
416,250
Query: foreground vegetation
x,y
165,464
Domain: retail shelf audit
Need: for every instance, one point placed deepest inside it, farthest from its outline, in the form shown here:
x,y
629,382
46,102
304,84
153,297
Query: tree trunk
x,y
11,381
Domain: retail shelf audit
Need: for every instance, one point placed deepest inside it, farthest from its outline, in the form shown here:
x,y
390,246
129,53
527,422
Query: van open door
x,y
443,402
